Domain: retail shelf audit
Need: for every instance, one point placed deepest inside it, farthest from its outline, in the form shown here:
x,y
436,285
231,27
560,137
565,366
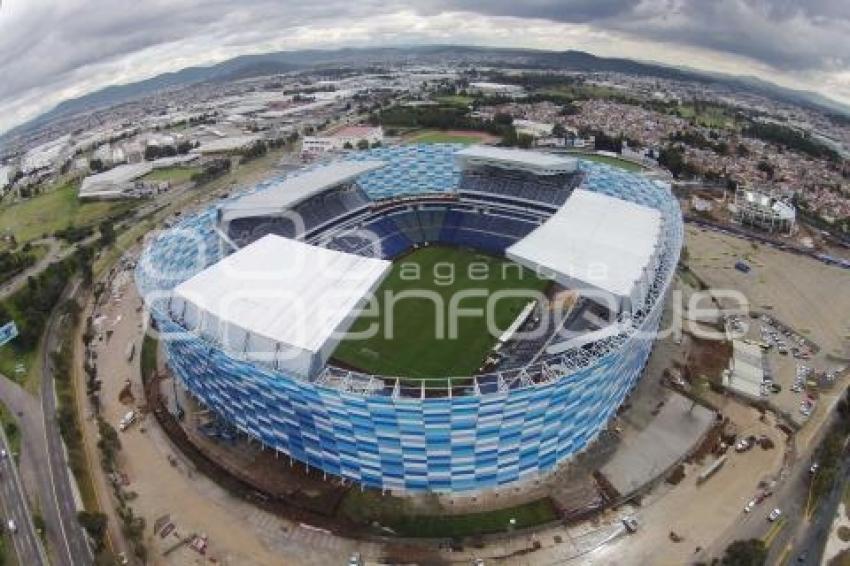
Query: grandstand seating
x,y
400,229
318,211
551,190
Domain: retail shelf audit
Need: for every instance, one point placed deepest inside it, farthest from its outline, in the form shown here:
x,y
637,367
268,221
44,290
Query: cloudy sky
x,y
52,50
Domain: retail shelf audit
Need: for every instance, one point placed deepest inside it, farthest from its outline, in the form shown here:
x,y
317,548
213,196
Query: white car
x,y
774,515
750,506
10,524
2,453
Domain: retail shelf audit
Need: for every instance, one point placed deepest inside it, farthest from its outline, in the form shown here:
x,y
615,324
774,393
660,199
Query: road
x,y
72,548
809,545
28,547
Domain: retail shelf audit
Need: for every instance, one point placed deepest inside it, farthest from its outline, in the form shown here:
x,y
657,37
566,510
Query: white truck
x,y
127,420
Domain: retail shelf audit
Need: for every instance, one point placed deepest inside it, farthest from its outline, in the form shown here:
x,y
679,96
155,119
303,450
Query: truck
x,y
127,420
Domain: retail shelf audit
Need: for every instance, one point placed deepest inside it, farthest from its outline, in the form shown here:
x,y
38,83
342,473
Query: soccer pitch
x,y
413,347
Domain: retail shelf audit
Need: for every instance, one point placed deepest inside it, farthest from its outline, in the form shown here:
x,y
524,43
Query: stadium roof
x,y
279,301
595,241
532,161
295,189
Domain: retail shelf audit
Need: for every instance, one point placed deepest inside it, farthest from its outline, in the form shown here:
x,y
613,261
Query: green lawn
x,y
394,513
607,160
455,100
175,175
436,136
708,115
54,210
413,349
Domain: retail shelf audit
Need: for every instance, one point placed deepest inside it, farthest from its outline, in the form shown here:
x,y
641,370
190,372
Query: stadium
x,y
272,310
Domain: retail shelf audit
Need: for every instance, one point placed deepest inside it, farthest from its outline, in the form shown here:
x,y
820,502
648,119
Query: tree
x,y
363,144
152,152
745,553
559,131
524,141
107,233
96,165
503,119
347,145
95,526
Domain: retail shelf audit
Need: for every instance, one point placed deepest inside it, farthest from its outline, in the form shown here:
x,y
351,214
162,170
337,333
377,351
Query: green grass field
x,y
436,136
709,116
368,506
54,210
455,100
621,163
175,175
413,349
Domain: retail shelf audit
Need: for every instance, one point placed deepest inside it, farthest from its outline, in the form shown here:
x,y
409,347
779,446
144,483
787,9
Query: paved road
x,y
28,547
809,545
72,546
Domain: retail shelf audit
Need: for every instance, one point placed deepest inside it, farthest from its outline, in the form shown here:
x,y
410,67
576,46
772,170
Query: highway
x,y
809,545
28,547
72,548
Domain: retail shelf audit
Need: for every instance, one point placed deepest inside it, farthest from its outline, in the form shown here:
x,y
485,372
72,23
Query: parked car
x,y
631,524
750,506
774,515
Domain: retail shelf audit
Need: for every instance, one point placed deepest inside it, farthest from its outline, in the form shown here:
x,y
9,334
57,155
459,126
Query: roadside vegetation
x,y
830,453
371,507
30,307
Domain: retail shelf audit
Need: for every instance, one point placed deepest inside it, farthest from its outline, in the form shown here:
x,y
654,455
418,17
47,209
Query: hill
x,y
247,66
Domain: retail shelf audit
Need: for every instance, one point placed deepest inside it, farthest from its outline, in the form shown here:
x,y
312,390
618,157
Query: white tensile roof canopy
x,y
595,242
521,159
295,189
279,301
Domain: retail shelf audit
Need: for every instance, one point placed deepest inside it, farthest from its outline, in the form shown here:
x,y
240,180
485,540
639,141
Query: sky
x,y
53,50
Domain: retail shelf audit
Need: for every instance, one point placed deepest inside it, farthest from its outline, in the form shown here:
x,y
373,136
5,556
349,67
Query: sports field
x,y
608,160
450,136
413,348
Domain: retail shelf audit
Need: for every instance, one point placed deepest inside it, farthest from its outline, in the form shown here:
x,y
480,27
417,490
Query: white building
x,y
496,89
348,136
533,129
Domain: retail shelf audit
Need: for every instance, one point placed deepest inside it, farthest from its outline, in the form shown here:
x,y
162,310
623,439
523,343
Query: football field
x,y
415,314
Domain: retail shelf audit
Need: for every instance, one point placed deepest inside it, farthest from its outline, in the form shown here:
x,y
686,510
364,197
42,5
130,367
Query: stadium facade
x,y
463,434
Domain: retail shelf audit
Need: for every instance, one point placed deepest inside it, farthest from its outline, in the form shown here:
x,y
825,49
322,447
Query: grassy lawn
x,y
455,100
175,175
391,512
54,210
413,348
607,160
708,116
436,136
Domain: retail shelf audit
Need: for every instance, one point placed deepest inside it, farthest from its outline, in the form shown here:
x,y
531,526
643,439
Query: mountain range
x,y
247,66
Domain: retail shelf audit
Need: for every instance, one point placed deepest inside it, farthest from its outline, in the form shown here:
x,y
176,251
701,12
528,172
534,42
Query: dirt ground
x,y
239,533
812,297
167,483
